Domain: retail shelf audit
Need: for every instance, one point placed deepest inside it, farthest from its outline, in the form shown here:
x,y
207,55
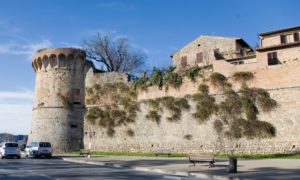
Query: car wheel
x,y
18,157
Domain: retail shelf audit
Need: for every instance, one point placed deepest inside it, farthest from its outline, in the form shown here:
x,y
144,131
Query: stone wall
x,y
270,77
93,78
150,136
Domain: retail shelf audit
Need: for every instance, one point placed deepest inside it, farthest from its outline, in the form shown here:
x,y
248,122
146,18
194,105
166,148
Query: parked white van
x,y
38,149
9,149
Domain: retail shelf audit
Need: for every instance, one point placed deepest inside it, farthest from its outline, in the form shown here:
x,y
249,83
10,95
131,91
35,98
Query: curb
x,y
145,169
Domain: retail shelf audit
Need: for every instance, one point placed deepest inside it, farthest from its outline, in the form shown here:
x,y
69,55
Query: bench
x,y
84,152
162,152
210,160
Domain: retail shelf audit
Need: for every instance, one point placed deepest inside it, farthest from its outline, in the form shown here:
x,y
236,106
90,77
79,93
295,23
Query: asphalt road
x,y
26,168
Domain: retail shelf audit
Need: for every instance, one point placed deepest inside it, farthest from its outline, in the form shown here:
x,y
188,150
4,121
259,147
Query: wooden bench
x,y
84,152
162,152
210,160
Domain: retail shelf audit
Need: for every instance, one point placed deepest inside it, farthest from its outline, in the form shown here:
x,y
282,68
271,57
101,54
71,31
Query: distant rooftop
x,y
235,38
279,31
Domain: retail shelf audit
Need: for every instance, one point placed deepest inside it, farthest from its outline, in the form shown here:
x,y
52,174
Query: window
x,y
44,144
183,61
272,58
217,54
199,58
296,36
284,39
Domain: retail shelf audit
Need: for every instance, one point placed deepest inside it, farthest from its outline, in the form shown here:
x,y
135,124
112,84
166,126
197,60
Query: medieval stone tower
x,y
58,107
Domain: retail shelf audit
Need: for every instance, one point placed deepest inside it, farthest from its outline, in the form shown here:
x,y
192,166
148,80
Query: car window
x,y
44,144
11,145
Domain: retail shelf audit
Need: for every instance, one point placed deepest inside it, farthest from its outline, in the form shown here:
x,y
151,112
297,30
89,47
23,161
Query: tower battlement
x,y
56,58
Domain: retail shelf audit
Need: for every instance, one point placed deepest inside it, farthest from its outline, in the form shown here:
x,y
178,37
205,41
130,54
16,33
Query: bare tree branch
x,y
114,54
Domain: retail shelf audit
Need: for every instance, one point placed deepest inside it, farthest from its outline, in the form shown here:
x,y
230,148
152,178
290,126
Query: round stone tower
x,y
58,108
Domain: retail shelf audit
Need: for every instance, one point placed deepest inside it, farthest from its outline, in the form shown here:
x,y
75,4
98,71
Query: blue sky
x,y
158,27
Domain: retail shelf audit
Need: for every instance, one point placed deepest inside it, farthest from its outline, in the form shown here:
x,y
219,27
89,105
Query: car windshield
x,y
11,145
45,144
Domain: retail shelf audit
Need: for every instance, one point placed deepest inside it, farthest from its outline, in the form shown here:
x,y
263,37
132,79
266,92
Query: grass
x,y
141,154
262,156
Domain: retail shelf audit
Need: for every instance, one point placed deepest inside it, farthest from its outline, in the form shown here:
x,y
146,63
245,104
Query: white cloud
x,y
16,111
25,95
15,118
27,49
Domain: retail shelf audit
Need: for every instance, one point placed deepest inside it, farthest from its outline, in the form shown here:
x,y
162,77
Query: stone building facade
x,y
205,49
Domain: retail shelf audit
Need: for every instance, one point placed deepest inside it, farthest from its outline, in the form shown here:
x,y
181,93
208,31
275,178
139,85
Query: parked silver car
x,y
38,149
9,149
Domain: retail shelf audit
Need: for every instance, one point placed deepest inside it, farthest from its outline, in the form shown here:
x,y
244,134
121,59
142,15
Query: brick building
x,y
234,54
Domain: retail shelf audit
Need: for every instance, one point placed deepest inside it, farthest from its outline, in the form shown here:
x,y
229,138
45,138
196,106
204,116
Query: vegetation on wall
x,y
236,115
242,76
192,73
239,110
173,105
121,111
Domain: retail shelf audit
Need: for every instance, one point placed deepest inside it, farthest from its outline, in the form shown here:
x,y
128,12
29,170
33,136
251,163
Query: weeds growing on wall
x,y
154,116
218,126
171,78
130,132
239,111
173,105
157,78
188,137
121,112
141,83
65,100
192,73
203,88
242,76
219,80
205,107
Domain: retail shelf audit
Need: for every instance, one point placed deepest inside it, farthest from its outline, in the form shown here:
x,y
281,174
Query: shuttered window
x,y
296,36
272,58
284,39
199,58
183,61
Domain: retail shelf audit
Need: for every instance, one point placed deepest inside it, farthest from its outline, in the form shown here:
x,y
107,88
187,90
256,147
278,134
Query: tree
x,y
113,54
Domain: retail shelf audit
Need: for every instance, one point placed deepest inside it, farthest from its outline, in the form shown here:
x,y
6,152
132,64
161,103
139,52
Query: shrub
x,y
231,107
154,116
218,126
140,83
157,78
182,103
192,73
205,107
203,88
264,101
172,79
237,128
242,76
250,109
130,132
154,104
259,129
188,136
219,80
